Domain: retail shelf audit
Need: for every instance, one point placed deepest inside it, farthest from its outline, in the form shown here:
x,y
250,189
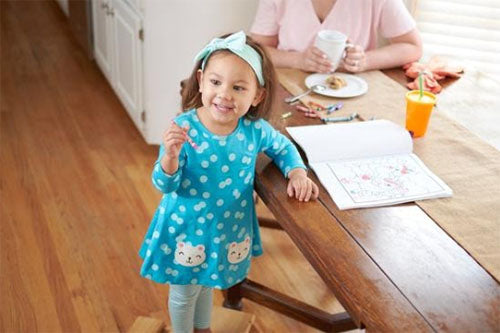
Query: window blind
x,y
467,31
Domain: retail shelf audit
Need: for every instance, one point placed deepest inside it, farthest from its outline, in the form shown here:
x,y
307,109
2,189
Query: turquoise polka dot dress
x,y
205,229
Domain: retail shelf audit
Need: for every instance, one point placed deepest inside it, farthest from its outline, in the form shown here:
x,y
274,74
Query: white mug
x,y
333,43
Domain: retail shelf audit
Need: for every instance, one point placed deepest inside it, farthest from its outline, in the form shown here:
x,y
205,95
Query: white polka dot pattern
x,y
208,205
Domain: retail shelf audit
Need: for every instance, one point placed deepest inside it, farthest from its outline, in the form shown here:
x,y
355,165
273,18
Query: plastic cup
x,y
418,111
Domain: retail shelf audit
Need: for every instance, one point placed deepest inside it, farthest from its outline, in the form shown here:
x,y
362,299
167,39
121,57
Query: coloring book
x,y
367,164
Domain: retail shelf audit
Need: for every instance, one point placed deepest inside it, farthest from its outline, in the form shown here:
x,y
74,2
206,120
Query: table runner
x,y
467,164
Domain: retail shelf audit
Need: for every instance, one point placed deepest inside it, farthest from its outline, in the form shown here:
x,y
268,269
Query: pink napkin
x,y
436,69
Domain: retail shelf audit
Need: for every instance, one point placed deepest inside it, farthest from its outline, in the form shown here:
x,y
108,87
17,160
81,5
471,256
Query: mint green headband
x,y
236,43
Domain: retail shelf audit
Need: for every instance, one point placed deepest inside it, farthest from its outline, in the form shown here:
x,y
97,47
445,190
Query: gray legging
x,y
189,306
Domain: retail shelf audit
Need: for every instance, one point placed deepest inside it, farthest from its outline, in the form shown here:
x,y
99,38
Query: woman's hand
x,y
314,60
355,59
300,186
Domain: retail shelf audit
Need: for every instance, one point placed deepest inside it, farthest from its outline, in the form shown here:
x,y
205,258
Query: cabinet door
x,y
128,59
102,24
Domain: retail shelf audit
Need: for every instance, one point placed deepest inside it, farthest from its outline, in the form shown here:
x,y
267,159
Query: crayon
x,y
188,138
315,106
339,119
302,108
334,107
191,142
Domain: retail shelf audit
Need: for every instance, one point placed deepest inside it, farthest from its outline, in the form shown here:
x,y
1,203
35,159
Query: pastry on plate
x,y
335,82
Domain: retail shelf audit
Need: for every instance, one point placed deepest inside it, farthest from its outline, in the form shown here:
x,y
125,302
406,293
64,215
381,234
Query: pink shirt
x,y
296,23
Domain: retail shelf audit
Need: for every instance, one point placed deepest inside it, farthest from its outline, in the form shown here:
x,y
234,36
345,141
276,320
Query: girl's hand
x,y
301,186
173,138
355,59
314,60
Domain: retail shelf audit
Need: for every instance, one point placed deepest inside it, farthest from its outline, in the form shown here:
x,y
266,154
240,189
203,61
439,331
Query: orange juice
x,y
418,111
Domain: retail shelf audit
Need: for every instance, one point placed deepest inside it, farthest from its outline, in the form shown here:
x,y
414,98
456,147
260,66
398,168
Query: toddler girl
x,y
205,229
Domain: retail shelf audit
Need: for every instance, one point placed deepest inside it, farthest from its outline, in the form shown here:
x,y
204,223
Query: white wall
x,y
175,31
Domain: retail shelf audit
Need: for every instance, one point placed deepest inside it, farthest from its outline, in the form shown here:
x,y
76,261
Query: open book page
x,y
354,140
379,181
392,177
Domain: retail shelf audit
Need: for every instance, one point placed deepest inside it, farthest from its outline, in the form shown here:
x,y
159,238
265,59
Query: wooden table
x,y
392,268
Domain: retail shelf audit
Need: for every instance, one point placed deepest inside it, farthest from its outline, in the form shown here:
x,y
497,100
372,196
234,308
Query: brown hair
x,y
191,96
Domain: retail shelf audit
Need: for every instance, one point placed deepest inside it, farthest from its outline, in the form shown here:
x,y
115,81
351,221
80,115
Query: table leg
x,y
233,297
269,223
288,306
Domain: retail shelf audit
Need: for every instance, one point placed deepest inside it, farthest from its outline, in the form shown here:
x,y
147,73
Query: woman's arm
x,y
278,57
311,60
401,50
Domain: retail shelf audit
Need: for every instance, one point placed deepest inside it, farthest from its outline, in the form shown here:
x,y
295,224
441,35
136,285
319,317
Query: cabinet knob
x,y
111,12
104,5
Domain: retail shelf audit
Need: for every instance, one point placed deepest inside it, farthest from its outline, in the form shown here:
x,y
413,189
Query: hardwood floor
x,y
76,197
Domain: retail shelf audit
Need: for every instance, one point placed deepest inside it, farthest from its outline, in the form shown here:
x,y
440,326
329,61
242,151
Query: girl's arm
x,y
162,177
169,165
279,148
285,155
167,174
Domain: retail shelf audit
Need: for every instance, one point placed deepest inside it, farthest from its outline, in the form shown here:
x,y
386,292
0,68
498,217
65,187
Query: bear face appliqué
x,y
187,255
237,252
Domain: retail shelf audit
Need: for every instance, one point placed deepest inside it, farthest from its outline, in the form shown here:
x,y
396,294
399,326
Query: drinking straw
x,y
420,90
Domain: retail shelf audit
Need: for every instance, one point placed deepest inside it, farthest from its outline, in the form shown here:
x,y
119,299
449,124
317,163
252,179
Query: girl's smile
x,y
224,108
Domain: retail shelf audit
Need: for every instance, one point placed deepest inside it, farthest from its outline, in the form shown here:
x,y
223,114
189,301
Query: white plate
x,y
355,85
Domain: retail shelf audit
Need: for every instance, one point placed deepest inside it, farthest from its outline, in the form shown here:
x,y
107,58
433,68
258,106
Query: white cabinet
x,y
118,52
102,25
146,72
127,46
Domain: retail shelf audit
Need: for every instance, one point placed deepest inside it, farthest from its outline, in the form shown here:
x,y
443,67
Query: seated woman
x,y
287,29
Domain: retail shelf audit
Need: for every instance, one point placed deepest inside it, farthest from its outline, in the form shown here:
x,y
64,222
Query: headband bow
x,y
236,43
